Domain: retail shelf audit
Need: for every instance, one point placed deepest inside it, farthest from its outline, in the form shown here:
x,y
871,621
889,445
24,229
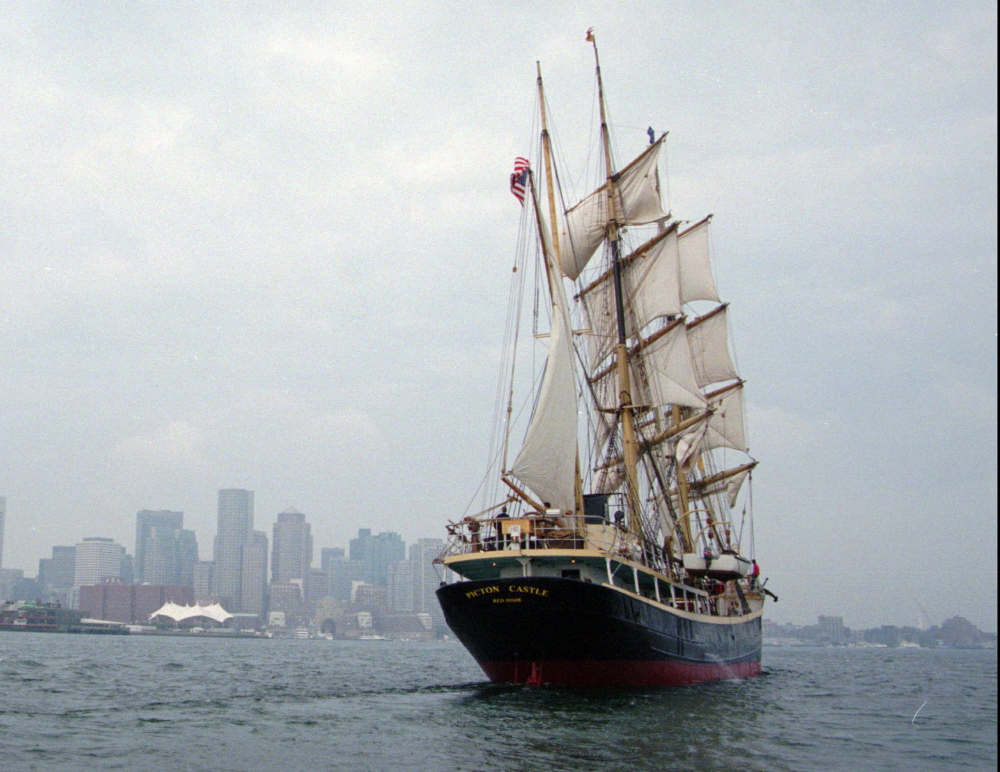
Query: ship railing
x,y
500,534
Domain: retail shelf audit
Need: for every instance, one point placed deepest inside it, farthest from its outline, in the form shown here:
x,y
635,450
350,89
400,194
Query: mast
x,y
550,189
627,417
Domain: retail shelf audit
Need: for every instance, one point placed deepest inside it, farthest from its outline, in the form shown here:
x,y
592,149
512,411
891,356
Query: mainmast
x,y
625,407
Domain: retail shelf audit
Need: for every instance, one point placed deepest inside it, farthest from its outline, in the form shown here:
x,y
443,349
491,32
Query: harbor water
x,y
71,702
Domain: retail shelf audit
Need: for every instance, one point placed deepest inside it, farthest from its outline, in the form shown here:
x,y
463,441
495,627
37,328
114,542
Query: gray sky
x,y
268,245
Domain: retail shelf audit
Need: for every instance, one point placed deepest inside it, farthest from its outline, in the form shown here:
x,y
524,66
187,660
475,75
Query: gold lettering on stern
x,y
482,591
528,590
514,589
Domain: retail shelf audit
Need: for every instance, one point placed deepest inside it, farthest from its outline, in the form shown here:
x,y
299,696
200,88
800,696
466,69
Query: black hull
x,y
568,632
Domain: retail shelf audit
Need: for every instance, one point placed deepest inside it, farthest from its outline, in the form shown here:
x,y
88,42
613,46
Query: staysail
x,y
548,458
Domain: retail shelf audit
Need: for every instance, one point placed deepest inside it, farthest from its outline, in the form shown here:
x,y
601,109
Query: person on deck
x,y
501,542
754,574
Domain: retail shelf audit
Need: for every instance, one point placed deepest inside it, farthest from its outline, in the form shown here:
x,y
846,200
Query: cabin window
x,y
571,573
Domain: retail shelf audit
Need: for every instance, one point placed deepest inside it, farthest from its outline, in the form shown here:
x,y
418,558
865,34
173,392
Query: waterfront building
x,y
235,526
286,598
115,601
206,617
253,598
377,553
370,598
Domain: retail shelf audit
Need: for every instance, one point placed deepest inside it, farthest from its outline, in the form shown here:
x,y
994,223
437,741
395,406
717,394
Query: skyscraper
x,y
253,599
377,553
56,574
235,526
340,572
145,521
292,547
97,558
170,555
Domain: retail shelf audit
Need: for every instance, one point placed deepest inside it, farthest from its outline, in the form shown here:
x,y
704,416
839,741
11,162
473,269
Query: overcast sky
x,y
267,246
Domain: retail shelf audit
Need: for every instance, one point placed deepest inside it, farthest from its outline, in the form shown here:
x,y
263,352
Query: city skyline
x,y
913,617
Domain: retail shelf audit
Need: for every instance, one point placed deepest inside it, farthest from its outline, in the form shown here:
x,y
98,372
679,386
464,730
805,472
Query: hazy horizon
x,y
268,247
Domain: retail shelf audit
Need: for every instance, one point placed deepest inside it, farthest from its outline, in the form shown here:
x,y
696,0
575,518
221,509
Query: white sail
x,y
690,444
603,325
733,488
670,370
725,427
695,264
547,461
652,279
709,338
652,288
587,223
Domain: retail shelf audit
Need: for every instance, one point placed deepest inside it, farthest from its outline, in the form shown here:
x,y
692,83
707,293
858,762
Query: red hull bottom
x,y
615,672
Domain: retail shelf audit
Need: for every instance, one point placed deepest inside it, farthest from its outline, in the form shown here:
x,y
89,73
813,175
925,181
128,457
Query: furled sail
x,y
638,204
547,461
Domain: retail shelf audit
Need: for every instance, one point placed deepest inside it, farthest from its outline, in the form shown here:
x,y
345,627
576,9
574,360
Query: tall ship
x,y
615,547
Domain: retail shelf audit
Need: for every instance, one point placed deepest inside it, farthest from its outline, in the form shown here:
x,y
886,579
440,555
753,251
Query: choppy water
x,y
93,703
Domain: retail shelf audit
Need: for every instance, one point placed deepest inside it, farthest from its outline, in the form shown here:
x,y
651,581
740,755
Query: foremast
x,y
551,195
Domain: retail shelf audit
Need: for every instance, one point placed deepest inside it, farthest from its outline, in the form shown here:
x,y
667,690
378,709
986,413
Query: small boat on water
x,y
614,549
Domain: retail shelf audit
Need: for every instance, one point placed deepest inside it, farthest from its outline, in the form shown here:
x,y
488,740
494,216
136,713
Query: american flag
x,y
519,179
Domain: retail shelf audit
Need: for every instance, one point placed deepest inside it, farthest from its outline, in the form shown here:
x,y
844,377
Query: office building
x,y
169,556
234,531
377,553
292,547
202,581
56,574
146,520
96,558
253,598
340,572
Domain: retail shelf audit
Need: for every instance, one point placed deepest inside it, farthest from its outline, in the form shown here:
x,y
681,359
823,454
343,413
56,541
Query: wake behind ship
x,y
610,550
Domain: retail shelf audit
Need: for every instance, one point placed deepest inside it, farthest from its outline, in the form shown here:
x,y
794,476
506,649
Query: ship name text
x,y
514,589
